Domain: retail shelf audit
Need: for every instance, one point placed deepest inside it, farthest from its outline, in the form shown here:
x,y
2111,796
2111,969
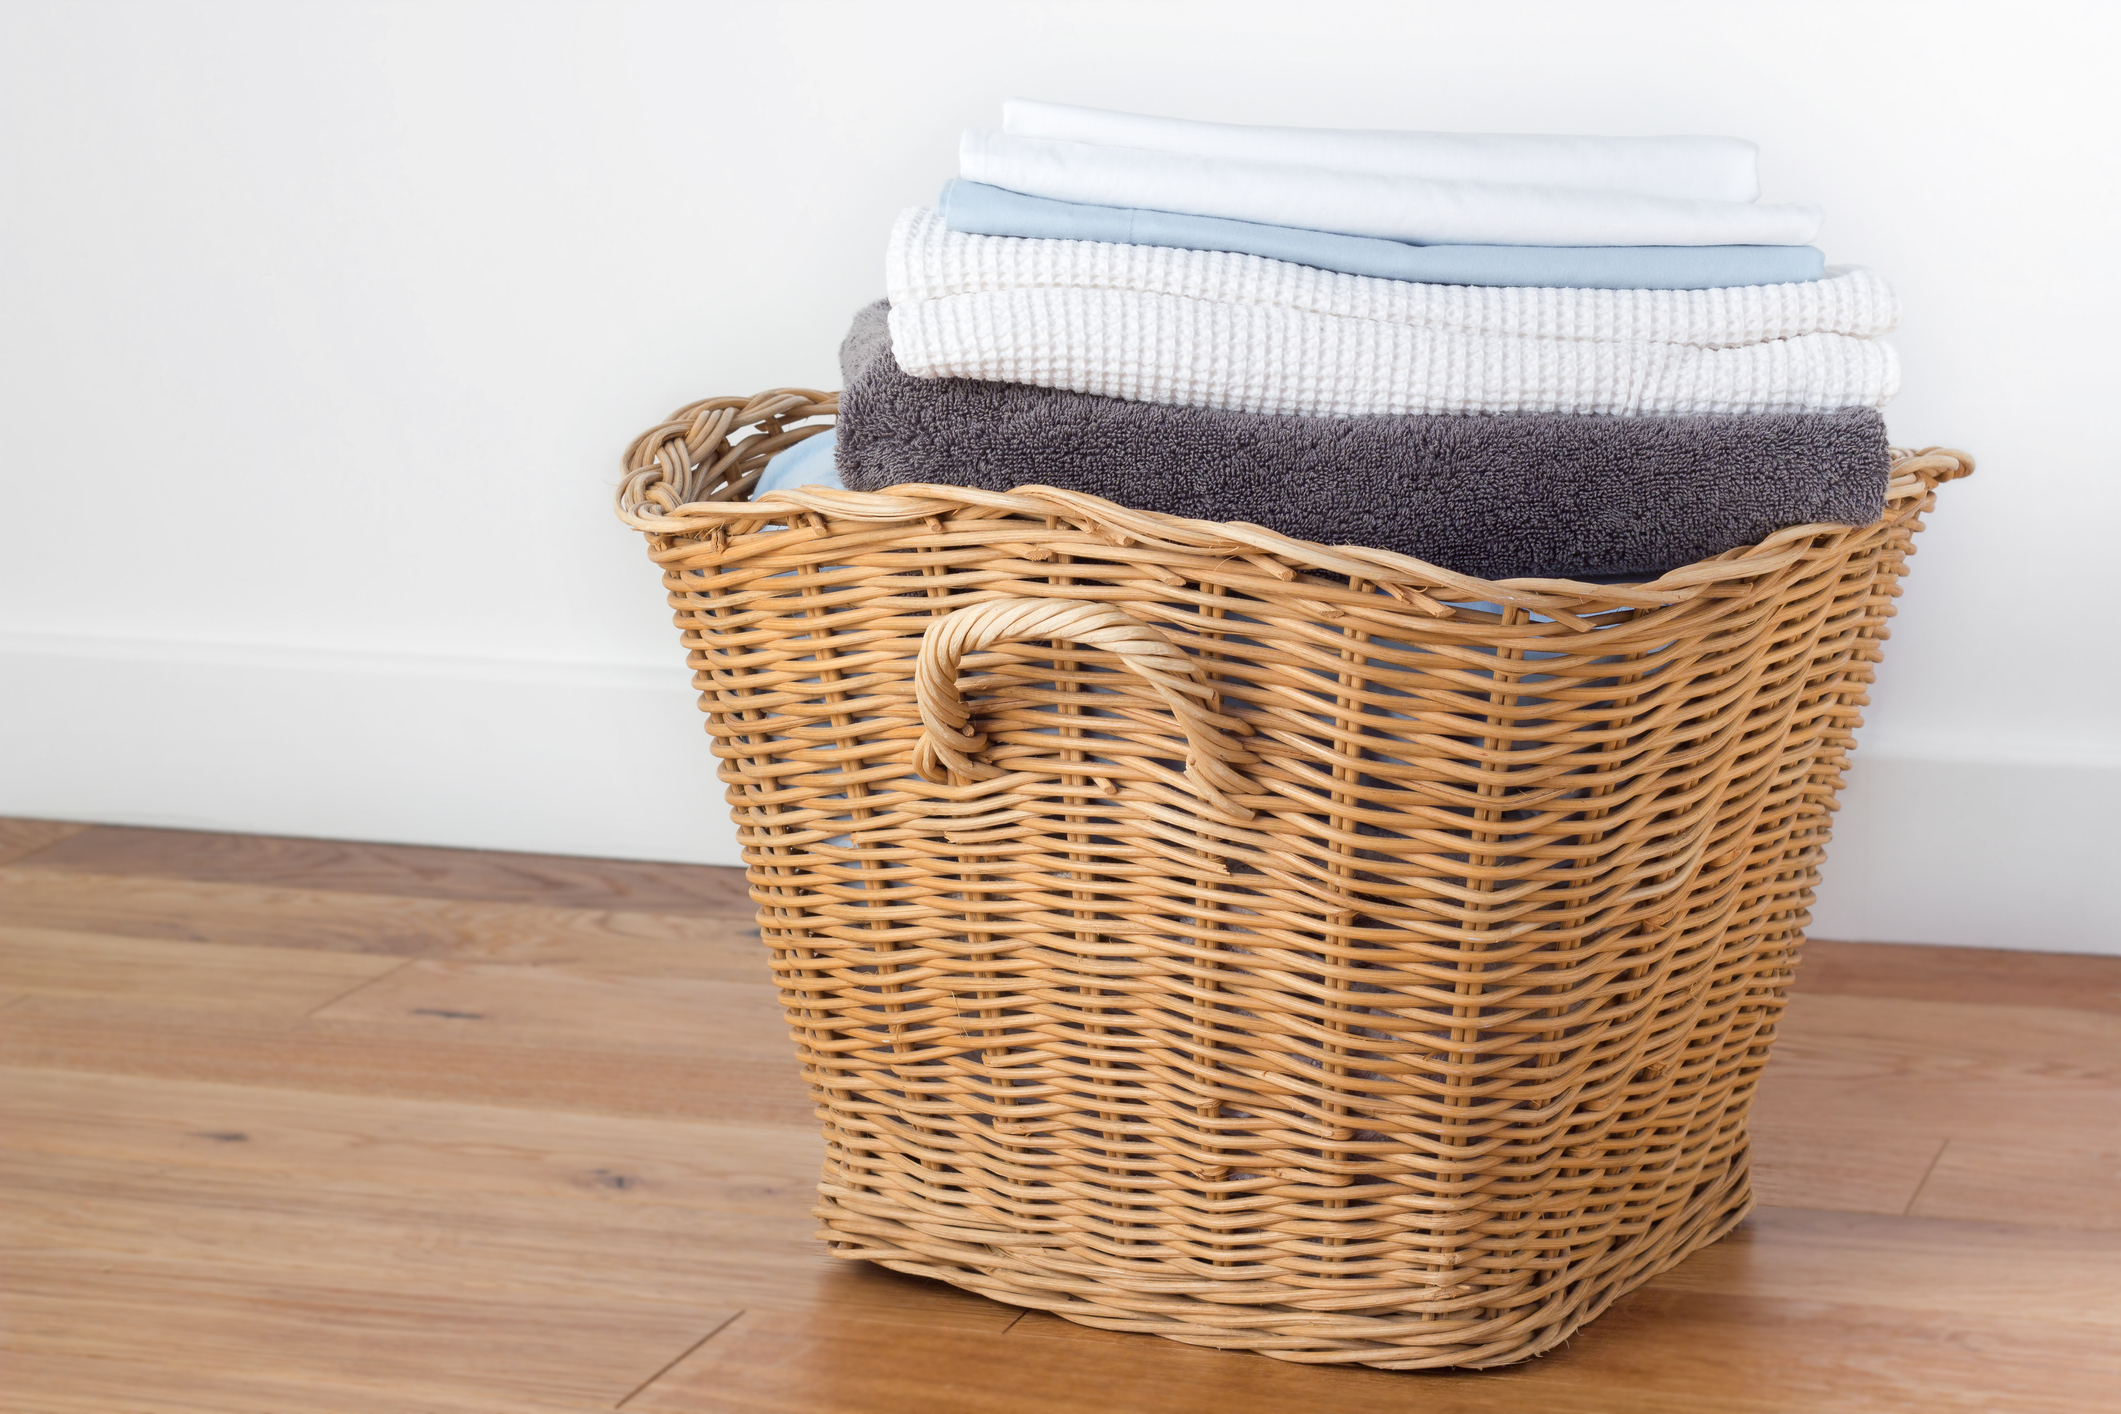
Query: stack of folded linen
x,y
1511,356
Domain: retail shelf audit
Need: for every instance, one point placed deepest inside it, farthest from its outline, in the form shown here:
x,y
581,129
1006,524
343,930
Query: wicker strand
x,y
948,742
1191,930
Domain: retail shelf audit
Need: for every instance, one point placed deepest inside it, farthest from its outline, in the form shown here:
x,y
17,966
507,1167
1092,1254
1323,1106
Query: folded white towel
x,y
1367,204
927,260
1253,358
1186,328
1691,168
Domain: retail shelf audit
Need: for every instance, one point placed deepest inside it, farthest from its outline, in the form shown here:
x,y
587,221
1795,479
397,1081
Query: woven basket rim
x,y
663,454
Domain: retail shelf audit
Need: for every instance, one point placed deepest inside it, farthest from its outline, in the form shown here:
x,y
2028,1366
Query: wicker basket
x,y
1190,930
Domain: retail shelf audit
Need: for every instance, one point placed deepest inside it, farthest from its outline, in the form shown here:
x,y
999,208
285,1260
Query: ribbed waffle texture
x,y
928,260
1240,332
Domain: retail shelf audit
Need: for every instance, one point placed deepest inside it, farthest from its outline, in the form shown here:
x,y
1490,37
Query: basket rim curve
x,y
660,459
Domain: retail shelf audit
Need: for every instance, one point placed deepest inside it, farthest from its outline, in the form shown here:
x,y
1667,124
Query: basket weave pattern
x,y
1190,930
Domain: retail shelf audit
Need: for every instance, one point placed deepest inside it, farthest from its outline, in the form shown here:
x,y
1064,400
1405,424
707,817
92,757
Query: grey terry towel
x,y
1502,496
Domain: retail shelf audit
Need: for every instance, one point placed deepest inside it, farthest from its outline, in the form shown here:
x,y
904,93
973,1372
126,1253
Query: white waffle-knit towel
x,y
928,260
1239,332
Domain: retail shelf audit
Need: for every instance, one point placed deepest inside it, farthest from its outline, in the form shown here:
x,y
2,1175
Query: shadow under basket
x,y
1190,930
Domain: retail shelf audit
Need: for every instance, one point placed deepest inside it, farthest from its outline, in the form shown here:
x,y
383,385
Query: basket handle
x,y
947,740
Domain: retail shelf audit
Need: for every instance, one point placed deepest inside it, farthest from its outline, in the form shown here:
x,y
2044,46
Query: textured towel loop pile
x,y
1501,497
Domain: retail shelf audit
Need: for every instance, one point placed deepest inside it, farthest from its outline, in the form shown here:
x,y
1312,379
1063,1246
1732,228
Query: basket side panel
x,y
1425,1064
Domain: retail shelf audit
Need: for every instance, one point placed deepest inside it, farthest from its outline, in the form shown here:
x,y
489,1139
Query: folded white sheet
x,y
1691,168
1368,204
1219,330
926,260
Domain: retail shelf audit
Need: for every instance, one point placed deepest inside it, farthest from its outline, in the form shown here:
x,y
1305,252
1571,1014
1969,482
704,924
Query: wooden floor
x,y
294,1126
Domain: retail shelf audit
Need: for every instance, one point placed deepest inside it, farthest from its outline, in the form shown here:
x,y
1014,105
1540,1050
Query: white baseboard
x,y
610,759
605,759
1991,854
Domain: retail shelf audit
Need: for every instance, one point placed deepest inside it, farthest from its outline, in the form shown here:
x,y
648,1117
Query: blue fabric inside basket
x,y
807,463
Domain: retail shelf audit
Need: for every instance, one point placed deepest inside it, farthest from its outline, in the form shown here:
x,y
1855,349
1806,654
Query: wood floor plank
x,y
1847,1170
416,871
1925,1279
1985,976
1657,1350
1947,1268
296,1126
767,1363
350,1059
1796,1311
39,1383
522,1005
1669,1347
52,968
575,1249
20,838
203,1328
1950,1068
452,1146
680,944
2056,1182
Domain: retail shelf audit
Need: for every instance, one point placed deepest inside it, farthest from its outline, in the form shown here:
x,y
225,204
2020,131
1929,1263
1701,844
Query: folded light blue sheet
x,y
981,210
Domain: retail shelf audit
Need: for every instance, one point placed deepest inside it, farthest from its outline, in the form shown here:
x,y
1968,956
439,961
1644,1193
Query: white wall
x,y
324,326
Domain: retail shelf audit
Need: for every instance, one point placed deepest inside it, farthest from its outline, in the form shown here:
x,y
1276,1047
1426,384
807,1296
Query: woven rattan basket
x,y
1190,930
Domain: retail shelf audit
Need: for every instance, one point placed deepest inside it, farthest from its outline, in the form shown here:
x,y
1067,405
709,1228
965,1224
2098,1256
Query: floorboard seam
x,y
80,829
682,1357
1916,1197
365,982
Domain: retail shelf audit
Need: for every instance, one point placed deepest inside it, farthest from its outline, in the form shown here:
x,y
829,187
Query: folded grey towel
x,y
1502,496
